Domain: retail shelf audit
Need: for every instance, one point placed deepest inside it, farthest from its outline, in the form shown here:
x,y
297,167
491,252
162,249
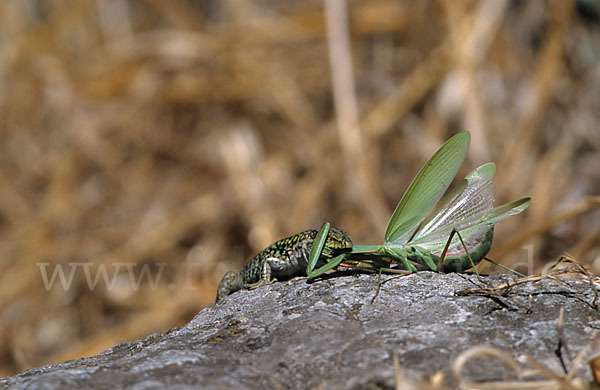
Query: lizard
x,y
284,258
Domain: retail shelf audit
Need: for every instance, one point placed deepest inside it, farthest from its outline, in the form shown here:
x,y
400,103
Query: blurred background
x,y
147,147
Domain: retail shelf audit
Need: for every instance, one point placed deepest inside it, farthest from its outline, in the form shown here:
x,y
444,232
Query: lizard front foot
x,y
260,283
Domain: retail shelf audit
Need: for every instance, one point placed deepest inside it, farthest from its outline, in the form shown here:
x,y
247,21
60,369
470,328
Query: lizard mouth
x,y
330,252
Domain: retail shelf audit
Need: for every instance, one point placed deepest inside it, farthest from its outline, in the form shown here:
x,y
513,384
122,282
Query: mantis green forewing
x,y
427,188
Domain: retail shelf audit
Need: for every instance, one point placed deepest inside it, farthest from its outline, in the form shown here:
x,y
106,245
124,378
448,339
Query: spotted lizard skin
x,y
285,258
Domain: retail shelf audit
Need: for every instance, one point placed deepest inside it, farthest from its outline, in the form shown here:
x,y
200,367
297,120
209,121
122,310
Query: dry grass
x,y
190,134
526,369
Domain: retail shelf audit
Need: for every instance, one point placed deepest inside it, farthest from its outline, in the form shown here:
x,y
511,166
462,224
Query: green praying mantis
x,y
452,237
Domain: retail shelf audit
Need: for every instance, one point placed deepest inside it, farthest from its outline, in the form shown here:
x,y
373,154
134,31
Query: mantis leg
x,y
443,256
315,253
401,256
407,264
378,285
505,267
467,251
381,270
329,265
428,260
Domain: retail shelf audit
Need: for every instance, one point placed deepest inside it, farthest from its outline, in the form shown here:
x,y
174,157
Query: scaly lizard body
x,y
285,258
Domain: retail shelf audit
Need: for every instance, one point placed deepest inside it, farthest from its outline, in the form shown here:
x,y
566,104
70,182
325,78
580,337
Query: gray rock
x,y
299,335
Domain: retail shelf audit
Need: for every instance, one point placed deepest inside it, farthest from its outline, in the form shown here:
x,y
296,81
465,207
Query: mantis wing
x,y
426,189
474,194
471,227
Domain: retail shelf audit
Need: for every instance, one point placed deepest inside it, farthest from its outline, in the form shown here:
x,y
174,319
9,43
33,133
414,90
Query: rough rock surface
x,y
327,334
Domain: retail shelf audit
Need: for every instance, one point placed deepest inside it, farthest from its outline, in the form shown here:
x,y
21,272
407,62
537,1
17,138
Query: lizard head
x,y
337,241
